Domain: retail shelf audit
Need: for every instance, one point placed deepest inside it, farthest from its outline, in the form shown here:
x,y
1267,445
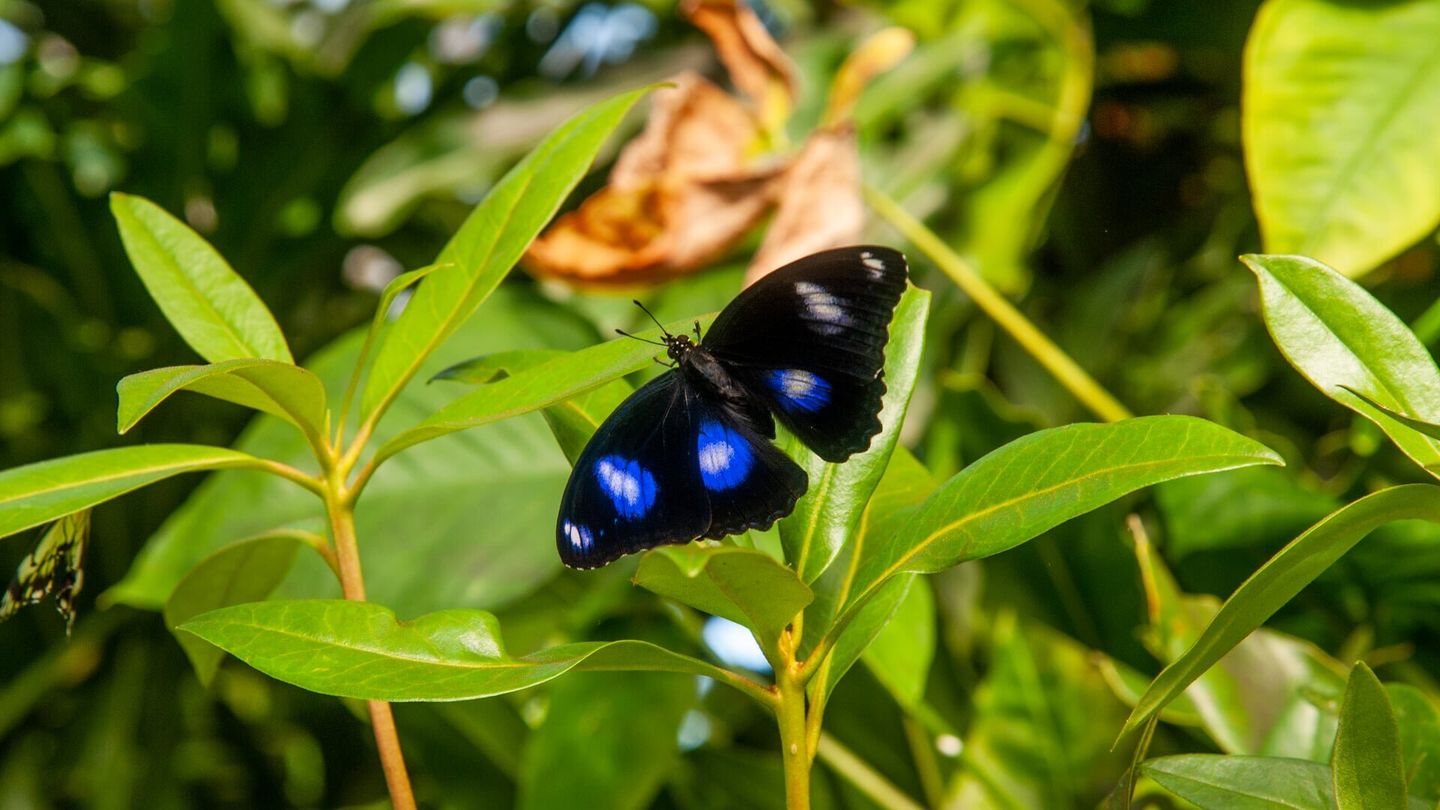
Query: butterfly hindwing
x,y
809,340
670,466
54,567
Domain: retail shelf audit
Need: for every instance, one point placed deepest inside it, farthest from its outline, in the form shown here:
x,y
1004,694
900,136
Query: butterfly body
x,y
690,456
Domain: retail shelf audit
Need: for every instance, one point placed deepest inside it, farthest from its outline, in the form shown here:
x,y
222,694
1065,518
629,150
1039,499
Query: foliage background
x,y
302,137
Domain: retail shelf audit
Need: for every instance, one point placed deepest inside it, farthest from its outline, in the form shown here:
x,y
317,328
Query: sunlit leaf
x,y
1046,478
1368,767
41,492
243,572
1338,336
829,512
740,584
211,307
360,650
1339,131
1279,579
538,387
489,243
1216,782
284,390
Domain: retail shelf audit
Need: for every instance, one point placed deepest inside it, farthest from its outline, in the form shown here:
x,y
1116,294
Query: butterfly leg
x,y
697,332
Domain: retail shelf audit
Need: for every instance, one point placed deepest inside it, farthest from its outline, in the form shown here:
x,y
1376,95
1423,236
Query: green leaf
x,y
211,307
1428,428
1215,782
360,650
1279,579
572,421
489,243
1338,336
1341,104
244,572
284,390
1368,768
607,736
539,387
41,492
740,584
1041,480
827,514
900,654
1038,737
1419,721
397,285
465,521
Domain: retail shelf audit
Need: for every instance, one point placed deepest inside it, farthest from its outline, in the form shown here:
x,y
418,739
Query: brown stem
x,y
352,582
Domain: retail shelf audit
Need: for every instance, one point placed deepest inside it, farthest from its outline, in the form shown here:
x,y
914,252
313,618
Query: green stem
x,y
794,749
352,582
1054,359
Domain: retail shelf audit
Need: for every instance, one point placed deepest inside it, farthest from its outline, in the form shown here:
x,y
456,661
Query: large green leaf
x,y
1279,579
829,512
211,307
739,584
1338,336
360,650
1368,767
900,654
41,492
607,736
243,572
542,386
282,389
489,243
466,521
1341,104
1046,478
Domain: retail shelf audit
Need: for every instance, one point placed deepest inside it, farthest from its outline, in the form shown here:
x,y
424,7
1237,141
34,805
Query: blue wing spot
x,y
799,390
725,457
630,487
580,537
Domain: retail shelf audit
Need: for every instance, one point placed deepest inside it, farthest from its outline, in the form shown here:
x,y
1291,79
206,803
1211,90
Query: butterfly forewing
x,y
809,340
53,567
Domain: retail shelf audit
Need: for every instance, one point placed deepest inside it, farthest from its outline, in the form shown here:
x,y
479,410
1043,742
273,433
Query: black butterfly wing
x,y
809,340
670,466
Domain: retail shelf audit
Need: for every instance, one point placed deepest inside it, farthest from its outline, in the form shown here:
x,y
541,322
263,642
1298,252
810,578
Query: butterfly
x,y
690,456
52,567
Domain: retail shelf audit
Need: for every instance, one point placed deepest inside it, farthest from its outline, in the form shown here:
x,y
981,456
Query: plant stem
x,y
352,583
794,749
866,779
1054,359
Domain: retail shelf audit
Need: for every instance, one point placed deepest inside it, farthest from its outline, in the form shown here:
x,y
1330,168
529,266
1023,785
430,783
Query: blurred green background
x,y
324,145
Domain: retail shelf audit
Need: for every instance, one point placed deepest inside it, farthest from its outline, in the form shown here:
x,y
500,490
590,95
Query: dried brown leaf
x,y
820,203
757,65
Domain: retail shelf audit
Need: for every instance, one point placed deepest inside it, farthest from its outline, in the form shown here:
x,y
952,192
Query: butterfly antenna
x,y
635,337
652,316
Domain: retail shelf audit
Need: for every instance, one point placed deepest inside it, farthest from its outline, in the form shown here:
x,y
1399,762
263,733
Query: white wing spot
x,y
620,483
824,307
715,457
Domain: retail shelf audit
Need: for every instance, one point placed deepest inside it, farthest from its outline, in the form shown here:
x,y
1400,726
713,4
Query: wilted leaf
x,y
756,64
820,206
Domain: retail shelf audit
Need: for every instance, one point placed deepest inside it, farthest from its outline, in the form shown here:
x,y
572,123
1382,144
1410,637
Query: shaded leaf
x,y
1338,336
1215,782
829,512
284,390
239,573
41,492
1046,478
1279,579
819,202
1338,133
489,243
607,736
211,307
360,650
1419,720
1367,766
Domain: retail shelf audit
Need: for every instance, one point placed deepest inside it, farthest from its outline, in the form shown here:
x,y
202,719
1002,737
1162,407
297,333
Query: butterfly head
x,y
678,346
